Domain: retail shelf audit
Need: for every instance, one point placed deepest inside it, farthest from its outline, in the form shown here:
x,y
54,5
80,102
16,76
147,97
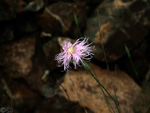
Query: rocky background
x,y
31,32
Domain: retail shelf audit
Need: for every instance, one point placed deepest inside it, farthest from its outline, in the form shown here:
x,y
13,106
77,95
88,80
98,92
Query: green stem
x,y
77,24
88,69
101,85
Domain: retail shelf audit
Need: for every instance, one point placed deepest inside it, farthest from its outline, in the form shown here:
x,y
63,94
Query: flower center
x,y
71,50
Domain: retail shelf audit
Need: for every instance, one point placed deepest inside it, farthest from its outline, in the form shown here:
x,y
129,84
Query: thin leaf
x,y
127,51
85,65
77,24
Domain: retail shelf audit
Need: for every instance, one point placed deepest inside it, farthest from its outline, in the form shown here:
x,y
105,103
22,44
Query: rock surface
x,y
31,32
59,104
7,10
32,5
122,22
143,100
15,58
58,18
90,92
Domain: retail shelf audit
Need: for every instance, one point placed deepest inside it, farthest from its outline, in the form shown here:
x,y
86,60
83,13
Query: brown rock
x,y
48,22
44,73
58,18
19,95
122,22
15,57
90,92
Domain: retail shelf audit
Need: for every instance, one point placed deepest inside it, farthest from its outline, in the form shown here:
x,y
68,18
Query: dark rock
x,y
32,5
59,104
15,57
121,23
58,18
48,22
44,74
6,34
25,25
51,48
7,9
3,96
19,95
32,60
140,61
142,103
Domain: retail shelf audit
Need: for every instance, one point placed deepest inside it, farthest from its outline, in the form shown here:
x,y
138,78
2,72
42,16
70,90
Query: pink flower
x,y
74,53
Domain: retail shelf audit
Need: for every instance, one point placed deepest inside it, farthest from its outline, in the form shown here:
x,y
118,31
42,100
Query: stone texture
x,y
25,24
15,58
58,18
32,5
138,58
7,10
3,97
6,33
90,92
50,49
122,22
28,72
59,104
19,95
32,59
44,73
143,100
30,79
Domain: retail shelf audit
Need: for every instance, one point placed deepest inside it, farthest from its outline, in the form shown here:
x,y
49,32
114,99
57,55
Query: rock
x,y
11,9
58,18
7,10
33,5
143,100
140,58
30,61
140,63
19,95
15,57
91,94
50,49
48,22
33,61
24,97
44,73
6,34
58,104
24,26
122,22
3,97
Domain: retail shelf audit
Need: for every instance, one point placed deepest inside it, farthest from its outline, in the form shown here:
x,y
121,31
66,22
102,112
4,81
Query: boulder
x,y
16,57
59,104
32,5
90,92
58,18
7,10
122,22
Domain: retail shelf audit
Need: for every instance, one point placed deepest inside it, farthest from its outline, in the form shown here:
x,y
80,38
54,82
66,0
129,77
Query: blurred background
x,y
31,32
